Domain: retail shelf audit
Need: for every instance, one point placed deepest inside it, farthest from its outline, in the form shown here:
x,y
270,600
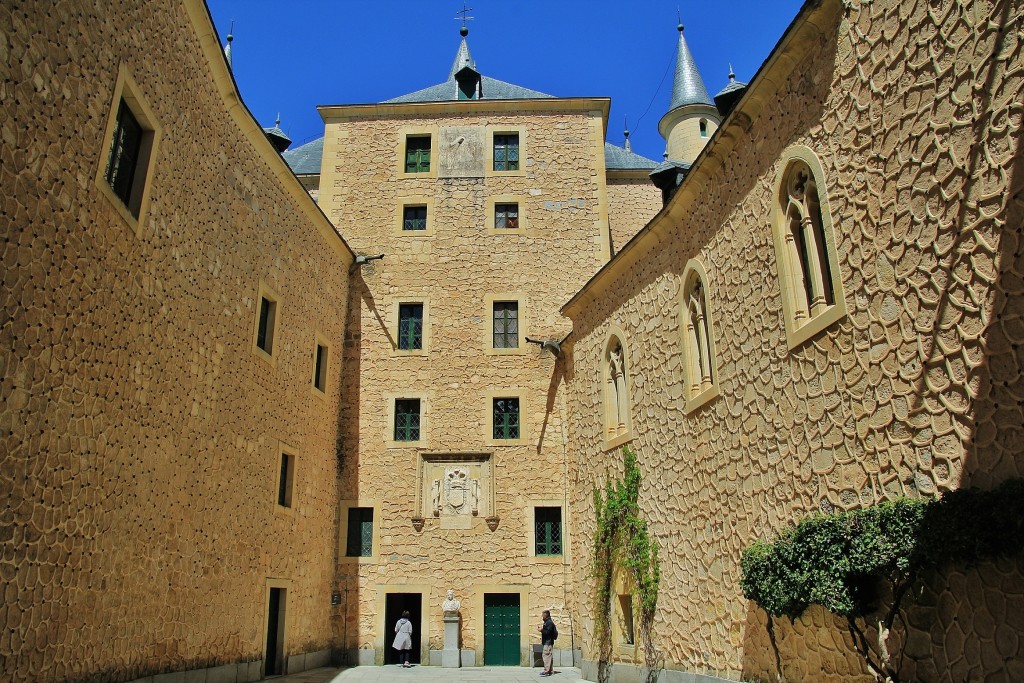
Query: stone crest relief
x,y
460,152
455,488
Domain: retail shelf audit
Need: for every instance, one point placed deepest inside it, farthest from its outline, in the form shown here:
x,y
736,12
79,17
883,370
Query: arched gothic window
x,y
617,420
698,343
805,245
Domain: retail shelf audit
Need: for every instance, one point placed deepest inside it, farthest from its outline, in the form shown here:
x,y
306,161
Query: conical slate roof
x,y
688,87
462,60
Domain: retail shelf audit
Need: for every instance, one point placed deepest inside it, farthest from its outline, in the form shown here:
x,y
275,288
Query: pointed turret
x,y
278,138
464,71
227,47
463,59
692,117
728,96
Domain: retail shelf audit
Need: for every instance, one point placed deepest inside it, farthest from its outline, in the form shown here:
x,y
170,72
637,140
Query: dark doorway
x,y
273,661
395,604
501,629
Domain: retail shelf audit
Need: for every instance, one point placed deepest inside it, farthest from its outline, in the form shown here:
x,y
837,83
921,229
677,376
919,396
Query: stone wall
x,y
453,267
632,202
913,109
140,435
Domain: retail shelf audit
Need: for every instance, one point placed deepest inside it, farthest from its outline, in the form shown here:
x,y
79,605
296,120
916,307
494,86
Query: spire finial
x,y
625,134
732,74
227,48
464,31
679,20
277,122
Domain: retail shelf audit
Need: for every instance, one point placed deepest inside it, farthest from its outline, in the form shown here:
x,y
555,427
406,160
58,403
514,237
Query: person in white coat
x,y
403,639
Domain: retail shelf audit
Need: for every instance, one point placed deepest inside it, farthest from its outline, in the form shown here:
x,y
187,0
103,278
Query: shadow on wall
x,y
967,409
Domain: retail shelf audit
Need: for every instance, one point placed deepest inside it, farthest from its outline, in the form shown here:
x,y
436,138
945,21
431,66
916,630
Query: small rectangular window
x,y
506,324
285,483
414,218
548,530
506,216
125,152
320,368
265,329
359,541
506,418
417,154
410,327
506,152
407,419
626,611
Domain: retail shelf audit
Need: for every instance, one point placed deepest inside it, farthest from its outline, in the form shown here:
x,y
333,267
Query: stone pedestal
x,y
450,658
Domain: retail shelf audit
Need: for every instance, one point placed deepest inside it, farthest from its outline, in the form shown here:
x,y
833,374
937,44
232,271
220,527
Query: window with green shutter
x,y
407,419
506,418
417,154
548,530
506,151
506,324
360,532
410,327
414,218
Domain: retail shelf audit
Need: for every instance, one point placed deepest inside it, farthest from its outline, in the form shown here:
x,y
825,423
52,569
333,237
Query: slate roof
x,y
732,86
305,159
622,159
669,164
687,87
491,88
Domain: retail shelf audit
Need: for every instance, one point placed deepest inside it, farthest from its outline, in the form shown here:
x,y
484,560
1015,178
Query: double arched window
x,y
698,342
812,296
617,421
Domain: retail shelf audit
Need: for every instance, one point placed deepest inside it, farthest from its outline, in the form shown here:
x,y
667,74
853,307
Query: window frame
x,y
802,323
399,337
264,291
496,130
320,375
529,532
394,306
488,322
694,272
135,212
505,145
346,507
495,393
392,426
622,430
505,416
536,528
414,201
492,204
419,151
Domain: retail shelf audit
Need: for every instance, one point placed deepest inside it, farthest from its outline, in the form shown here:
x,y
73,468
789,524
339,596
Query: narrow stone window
x,y
410,326
506,216
417,154
506,151
125,152
320,368
703,128
506,418
547,531
266,327
806,244
285,483
699,370
414,218
407,419
617,421
506,324
626,614
359,539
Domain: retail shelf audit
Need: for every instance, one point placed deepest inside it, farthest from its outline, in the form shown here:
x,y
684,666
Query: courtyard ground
x,y
432,674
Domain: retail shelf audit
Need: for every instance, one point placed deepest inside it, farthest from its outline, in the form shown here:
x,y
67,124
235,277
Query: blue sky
x,y
290,56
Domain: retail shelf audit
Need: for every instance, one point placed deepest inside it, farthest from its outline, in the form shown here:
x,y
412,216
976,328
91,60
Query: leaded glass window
x,y
506,152
506,418
417,154
407,419
360,532
410,327
548,530
506,216
506,324
414,218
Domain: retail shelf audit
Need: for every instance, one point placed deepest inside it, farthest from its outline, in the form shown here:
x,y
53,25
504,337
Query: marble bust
x,y
450,604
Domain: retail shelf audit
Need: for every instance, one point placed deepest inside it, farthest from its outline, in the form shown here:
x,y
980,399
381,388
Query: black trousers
x,y
403,657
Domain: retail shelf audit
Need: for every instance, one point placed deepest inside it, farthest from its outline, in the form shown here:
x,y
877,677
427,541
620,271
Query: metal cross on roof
x,y
464,11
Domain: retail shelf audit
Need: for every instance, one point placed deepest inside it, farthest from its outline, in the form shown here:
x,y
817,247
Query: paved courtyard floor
x,y
431,674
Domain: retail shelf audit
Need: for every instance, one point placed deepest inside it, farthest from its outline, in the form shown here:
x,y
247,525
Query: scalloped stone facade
x,y
914,110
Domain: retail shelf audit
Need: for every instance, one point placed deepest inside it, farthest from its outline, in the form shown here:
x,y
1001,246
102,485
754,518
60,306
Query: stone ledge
x,y
625,673
240,672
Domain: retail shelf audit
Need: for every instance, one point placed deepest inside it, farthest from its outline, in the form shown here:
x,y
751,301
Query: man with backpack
x,y
548,635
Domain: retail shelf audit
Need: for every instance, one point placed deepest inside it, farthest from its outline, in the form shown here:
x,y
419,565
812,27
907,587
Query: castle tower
x,y
692,117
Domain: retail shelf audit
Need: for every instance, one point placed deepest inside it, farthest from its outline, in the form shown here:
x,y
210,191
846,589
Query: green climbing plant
x,y
621,539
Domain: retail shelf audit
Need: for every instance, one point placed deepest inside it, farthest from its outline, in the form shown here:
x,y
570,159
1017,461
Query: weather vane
x,y
464,11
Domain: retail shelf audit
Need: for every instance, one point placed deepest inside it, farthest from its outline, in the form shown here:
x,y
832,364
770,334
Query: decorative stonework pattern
x,y
915,111
139,434
632,202
454,270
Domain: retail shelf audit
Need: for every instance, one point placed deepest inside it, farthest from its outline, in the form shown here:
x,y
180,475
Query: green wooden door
x,y
501,629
